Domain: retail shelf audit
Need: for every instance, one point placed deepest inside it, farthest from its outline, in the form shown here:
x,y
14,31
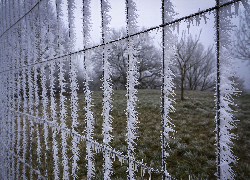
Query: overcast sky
x,y
149,15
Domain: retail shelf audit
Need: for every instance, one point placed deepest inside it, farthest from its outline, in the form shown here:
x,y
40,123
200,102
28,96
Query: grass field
x,y
192,148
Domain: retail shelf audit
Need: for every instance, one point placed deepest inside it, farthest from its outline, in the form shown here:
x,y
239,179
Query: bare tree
x,y
242,44
200,76
193,63
148,57
149,63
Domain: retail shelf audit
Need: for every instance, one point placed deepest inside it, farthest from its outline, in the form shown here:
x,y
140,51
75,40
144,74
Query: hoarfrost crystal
x,y
226,89
107,90
131,83
88,112
168,86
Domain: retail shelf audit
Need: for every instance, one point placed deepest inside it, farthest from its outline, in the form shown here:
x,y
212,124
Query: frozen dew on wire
x,y
107,89
168,41
225,156
89,119
132,81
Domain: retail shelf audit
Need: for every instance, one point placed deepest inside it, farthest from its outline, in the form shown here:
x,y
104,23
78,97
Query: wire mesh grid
x,y
34,123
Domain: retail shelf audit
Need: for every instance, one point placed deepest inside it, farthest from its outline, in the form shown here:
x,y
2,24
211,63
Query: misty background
x,y
149,15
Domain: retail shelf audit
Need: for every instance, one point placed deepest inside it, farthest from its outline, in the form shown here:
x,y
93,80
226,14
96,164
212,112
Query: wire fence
x,y
41,111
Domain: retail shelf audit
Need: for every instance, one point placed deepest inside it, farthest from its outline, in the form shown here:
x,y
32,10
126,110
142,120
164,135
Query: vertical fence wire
x,y
1,17
18,97
37,94
24,95
53,116
107,90
163,161
30,87
218,88
128,149
8,127
13,76
2,94
4,117
132,81
73,87
89,119
7,113
167,89
5,13
52,77
9,84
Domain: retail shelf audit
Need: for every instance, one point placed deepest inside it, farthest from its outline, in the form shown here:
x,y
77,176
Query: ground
x,y
192,147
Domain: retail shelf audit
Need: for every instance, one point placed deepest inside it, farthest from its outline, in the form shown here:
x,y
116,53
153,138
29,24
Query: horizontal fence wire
x,y
125,37
100,146
143,31
20,18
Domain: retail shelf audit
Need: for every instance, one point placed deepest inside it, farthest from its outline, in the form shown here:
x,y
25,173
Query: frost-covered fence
x,y
40,107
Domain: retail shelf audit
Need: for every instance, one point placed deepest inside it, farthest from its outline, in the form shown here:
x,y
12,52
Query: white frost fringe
x,y
107,90
227,89
86,10
132,81
168,85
